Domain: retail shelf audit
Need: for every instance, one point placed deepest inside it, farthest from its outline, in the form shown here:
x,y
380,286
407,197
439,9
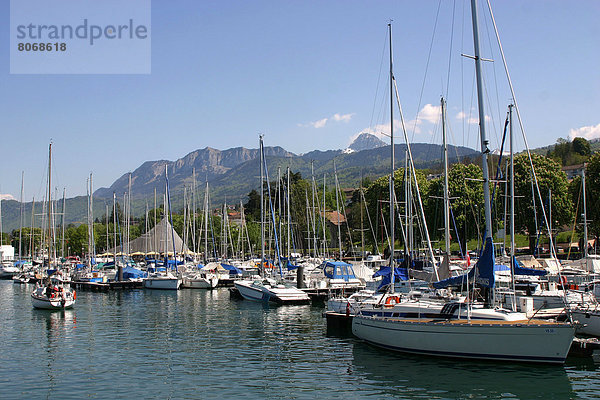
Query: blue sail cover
x,y
232,269
521,270
400,274
339,270
131,273
484,269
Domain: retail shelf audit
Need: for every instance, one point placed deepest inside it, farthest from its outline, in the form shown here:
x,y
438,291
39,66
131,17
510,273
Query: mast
x,y
206,224
392,208
62,242
512,207
289,216
127,240
324,211
585,230
446,195
146,230
49,205
194,245
314,209
31,233
155,244
482,134
262,210
337,206
21,213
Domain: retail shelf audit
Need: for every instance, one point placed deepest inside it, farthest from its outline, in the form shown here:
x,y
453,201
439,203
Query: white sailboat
x,y
261,288
57,295
166,280
467,331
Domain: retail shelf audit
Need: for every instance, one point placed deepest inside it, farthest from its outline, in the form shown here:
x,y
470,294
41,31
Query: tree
x,y
466,193
581,146
592,183
550,178
377,197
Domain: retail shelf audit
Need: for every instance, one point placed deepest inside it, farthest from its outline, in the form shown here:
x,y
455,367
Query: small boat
x,y
54,296
589,317
200,280
8,270
267,290
162,280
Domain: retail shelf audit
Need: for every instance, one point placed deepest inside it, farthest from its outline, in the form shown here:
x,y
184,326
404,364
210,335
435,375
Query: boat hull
x,y
51,304
590,320
200,283
162,284
279,295
488,340
250,292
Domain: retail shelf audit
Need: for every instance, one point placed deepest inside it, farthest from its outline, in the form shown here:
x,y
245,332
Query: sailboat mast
x,y
62,242
21,213
289,216
482,134
337,206
392,208
446,195
115,226
49,206
512,207
585,230
262,210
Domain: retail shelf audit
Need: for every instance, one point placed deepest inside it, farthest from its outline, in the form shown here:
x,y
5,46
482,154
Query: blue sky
x,y
304,73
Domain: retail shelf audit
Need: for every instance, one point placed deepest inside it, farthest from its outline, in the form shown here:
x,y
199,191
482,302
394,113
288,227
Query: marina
x,y
436,256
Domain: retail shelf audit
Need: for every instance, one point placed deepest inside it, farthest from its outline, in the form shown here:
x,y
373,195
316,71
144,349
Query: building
x,y
573,170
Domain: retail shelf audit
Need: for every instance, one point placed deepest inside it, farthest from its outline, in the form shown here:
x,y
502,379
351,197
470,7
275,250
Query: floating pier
x,y
106,286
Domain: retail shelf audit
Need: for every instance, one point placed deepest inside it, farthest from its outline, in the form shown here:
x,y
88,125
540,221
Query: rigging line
x,y
451,43
514,99
378,80
462,74
414,174
487,30
437,15
575,220
370,222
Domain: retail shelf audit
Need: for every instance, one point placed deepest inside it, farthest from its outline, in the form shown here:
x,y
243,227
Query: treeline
x,y
364,212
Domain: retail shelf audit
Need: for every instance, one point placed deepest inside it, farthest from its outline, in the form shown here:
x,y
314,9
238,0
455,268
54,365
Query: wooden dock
x,y
106,286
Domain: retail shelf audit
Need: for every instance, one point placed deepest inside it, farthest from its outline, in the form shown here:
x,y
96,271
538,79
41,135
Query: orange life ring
x,y
388,301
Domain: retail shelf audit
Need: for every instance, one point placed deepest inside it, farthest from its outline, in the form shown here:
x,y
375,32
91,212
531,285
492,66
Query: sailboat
x,y
262,288
166,280
588,313
56,295
467,330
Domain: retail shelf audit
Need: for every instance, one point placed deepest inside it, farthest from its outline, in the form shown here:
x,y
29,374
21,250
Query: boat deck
x,y
476,322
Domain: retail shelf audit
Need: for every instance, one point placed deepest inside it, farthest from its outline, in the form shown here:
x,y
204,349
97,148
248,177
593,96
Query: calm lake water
x,y
195,344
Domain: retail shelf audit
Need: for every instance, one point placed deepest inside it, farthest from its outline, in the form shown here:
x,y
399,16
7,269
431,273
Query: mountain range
x,y
233,173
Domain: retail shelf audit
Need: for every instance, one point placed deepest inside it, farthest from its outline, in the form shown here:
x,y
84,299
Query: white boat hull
x,y
489,340
281,295
250,292
200,283
162,283
41,301
590,319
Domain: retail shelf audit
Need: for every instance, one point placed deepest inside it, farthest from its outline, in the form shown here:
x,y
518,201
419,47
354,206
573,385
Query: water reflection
x,y
417,376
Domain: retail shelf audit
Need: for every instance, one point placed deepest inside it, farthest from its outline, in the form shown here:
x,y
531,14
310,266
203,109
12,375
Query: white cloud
x,y
471,120
7,197
430,113
319,124
343,117
322,122
587,132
